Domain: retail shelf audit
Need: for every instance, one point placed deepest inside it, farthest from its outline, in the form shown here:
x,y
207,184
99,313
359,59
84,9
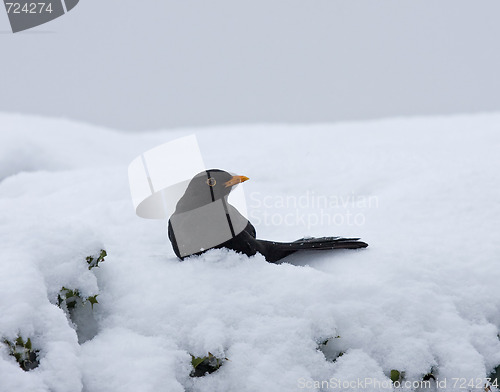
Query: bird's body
x,y
205,220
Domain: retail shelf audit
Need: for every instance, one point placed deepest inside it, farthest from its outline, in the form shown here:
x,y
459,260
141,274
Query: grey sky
x,y
158,64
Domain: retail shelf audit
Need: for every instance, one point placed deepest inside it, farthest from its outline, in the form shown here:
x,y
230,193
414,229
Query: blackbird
x,y
204,219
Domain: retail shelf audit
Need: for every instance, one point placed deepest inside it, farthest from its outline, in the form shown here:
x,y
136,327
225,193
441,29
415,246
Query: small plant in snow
x,y
397,376
429,376
24,353
204,365
81,315
71,299
93,261
77,306
68,298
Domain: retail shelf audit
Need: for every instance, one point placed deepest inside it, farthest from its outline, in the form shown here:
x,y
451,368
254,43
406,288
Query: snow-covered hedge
x,y
421,301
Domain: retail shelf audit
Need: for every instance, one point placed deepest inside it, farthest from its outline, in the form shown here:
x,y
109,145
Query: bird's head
x,y
208,186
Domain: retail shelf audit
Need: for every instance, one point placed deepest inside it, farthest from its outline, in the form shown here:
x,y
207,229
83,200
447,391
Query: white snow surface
x,y
423,192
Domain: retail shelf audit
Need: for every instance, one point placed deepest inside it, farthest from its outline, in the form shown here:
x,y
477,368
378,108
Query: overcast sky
x,y
148,64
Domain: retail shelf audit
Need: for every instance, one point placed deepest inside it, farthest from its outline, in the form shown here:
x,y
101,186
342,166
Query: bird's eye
x,y
211,181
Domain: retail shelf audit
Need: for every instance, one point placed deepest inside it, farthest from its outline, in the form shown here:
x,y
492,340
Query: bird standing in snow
x,y
204,219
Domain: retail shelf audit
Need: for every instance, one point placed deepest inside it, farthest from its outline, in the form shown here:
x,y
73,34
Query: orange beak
x,y
236,180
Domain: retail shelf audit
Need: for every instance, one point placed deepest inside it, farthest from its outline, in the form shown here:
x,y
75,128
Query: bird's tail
x,y
283,249
326,243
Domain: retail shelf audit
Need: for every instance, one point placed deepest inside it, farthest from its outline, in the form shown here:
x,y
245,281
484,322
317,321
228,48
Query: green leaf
x,y
93,261
395,374
102,255
428,376
23,352
93,300
69,297
195,361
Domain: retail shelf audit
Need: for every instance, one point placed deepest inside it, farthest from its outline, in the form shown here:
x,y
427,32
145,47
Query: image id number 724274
x,y
28,8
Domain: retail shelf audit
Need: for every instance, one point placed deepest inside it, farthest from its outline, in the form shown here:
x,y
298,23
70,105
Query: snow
x,y
423,192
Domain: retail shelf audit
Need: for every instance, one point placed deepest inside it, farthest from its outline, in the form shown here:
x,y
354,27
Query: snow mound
x,y
423,297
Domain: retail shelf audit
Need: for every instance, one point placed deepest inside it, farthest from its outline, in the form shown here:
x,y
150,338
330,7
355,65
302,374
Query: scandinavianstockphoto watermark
x,y
310,209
